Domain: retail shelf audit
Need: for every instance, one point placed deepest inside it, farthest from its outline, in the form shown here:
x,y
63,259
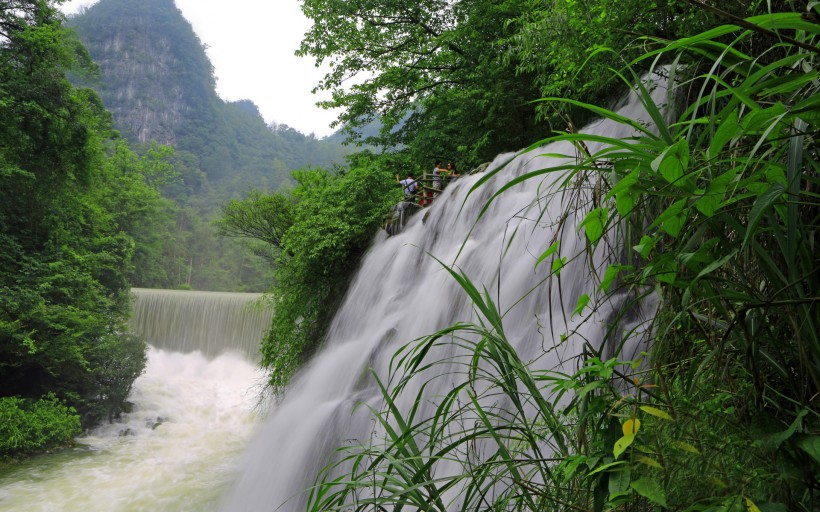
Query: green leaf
x,y
558,264
624,203
624,193
619,482
611,274
650,489
758,119
549,252
811,445
778,439
762,204
673,218
595,384
656,412
645,246
622,444
728,130
712,198
583,300
594,224
673,163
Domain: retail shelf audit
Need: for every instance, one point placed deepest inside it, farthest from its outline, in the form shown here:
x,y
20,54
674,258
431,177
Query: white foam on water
x,y
176,451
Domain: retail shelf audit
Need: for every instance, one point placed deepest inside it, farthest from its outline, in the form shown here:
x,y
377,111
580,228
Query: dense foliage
x,y
73,202
28,426
316,236
457,80
716,212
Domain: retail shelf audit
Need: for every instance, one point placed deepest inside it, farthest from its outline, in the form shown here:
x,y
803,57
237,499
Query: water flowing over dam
x,y
210,322
401,293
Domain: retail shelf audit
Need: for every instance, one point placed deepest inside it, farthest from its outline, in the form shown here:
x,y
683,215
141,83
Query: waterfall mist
x,y
402,293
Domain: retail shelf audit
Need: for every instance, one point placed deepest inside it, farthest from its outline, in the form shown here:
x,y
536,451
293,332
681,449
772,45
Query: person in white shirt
x,y
409,184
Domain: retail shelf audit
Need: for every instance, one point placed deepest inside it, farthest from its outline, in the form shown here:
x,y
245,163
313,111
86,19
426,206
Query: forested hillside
x,y
156,79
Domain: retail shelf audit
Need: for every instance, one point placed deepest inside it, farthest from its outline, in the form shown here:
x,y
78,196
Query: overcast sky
x,y
251,45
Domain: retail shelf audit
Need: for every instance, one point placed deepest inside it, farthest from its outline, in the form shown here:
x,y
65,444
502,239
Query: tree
x,y
313,236
460,79
262,220
67,223
431,68
334,218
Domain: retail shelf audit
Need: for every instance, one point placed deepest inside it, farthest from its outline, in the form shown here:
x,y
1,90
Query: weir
x,y
210,322
401,293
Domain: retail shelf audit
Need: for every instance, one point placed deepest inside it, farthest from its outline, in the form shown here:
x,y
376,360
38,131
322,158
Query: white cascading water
x,y
401,293
193,416
210,322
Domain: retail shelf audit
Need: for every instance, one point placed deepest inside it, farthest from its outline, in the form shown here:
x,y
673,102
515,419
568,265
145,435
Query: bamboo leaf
x,y
656,412
605,467
716,265
761,205
649,461
622,444
650,489
687,447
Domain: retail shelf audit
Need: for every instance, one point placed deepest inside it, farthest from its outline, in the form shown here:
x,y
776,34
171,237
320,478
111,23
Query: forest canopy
x,y
458,80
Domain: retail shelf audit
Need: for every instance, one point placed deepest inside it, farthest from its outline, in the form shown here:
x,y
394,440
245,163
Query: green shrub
x,y
30,426
314,236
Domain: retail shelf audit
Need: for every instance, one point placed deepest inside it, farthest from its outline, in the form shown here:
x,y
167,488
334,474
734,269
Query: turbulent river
x,y
193,416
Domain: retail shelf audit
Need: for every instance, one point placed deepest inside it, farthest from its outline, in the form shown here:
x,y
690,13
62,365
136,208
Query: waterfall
x,y
402,293
210,322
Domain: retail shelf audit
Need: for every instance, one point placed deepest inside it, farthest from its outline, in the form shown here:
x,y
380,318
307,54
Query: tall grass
x,y
719,208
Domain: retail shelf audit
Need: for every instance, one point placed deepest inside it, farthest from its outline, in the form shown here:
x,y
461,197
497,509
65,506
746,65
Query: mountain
x,y
158,82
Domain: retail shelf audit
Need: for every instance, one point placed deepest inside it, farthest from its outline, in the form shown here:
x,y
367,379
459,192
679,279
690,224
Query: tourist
x,y
451,169
410,186
438,173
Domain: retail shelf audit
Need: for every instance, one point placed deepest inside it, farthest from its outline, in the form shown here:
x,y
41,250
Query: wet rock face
x,y
395,221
